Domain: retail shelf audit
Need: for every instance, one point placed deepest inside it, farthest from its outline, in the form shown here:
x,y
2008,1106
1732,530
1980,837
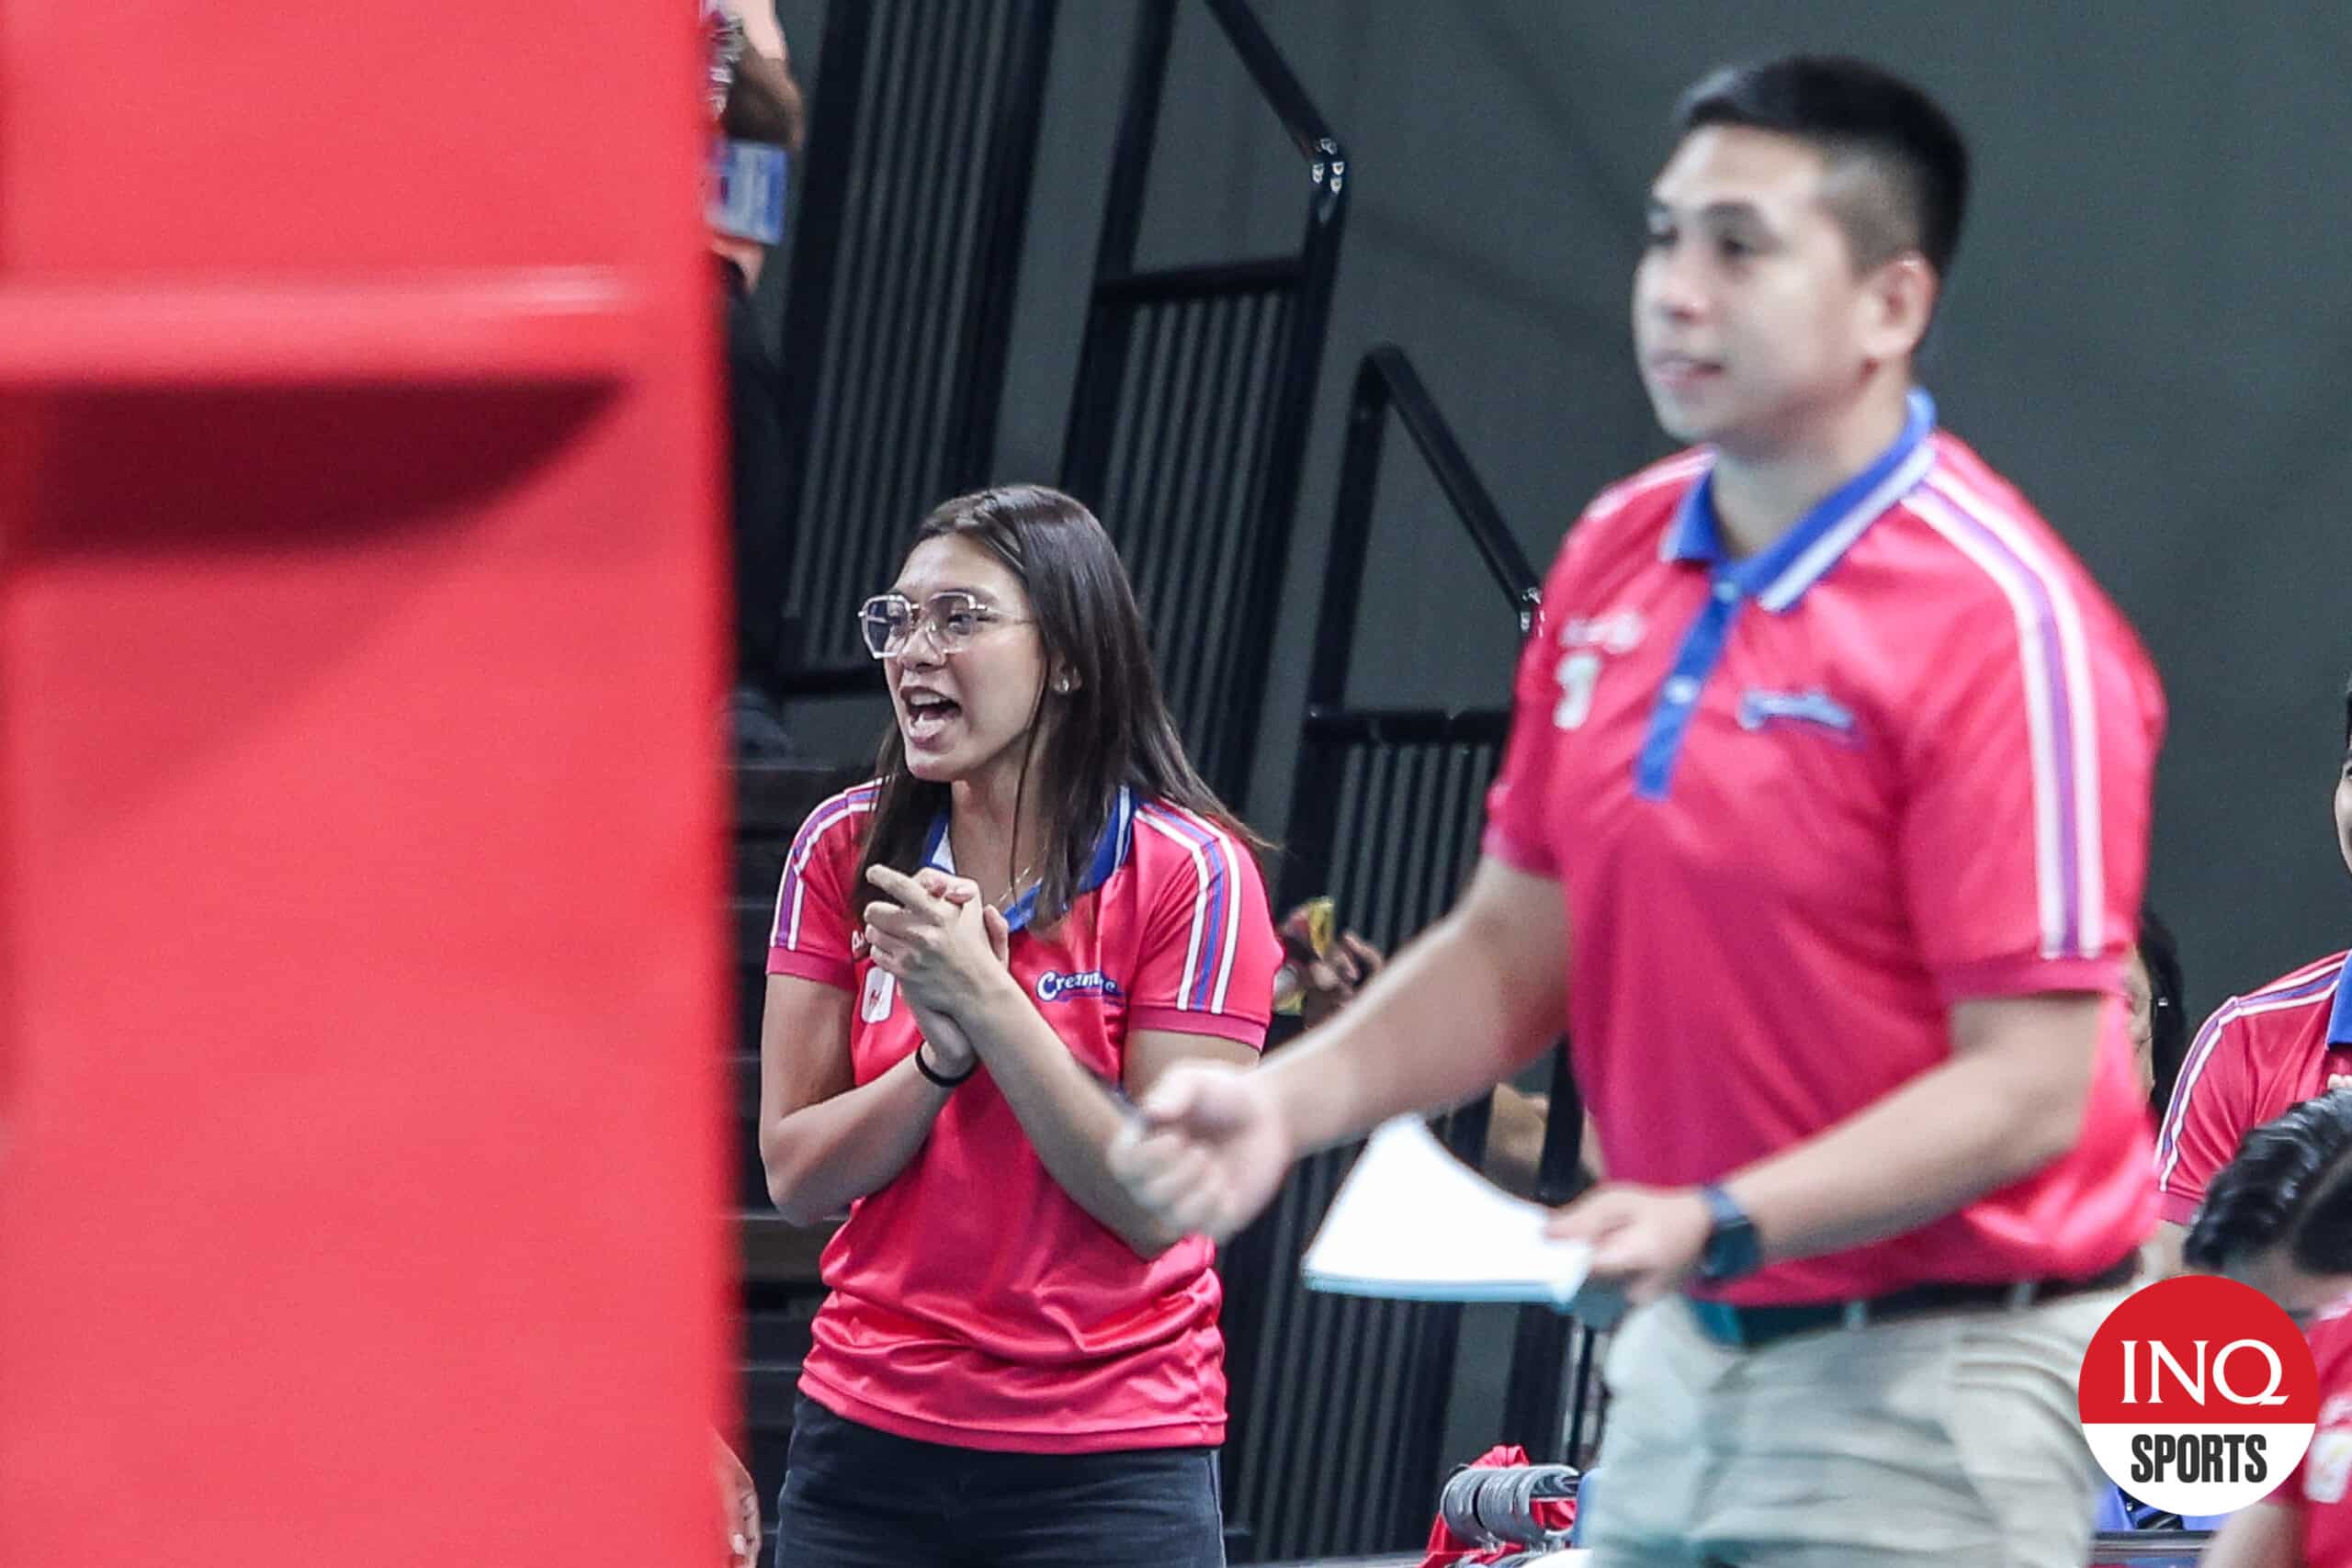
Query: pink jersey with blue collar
x,y
973,1302
2320,1490
1800,805
2257,1057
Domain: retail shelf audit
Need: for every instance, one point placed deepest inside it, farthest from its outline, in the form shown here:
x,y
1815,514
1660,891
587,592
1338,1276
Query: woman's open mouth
x,y
929,714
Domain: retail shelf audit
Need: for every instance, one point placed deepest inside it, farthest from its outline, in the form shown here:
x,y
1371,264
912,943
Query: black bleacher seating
x,y
780,1288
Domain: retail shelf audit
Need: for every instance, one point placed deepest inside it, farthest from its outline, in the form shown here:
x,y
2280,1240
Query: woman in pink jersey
x,y
2280,1218
1034,911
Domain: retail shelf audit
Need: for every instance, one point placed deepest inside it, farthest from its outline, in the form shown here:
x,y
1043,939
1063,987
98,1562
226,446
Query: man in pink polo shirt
x,y
1822,830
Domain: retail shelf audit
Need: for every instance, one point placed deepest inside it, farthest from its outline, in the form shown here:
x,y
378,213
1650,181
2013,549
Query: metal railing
x,y
906,248
1338,1403
1190,416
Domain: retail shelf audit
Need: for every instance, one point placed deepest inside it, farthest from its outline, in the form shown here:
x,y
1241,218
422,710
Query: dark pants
x,y
855,1497
756,489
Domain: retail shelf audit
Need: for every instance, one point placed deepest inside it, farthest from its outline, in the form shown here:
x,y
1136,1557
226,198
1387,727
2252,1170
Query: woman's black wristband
x,y
935,1075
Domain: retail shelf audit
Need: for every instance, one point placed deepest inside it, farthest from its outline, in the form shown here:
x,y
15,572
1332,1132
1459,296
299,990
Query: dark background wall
x,y
2142,331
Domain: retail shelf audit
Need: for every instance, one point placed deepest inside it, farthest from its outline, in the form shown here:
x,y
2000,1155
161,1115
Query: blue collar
x,y
2339,1018
1109,853
1779,577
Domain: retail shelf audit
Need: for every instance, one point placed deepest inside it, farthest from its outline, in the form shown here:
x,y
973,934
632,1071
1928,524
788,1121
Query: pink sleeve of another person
x,y
2212,1108
2319,1489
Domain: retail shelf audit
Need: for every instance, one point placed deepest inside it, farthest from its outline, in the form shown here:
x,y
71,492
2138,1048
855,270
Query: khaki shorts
x,y
1949,1439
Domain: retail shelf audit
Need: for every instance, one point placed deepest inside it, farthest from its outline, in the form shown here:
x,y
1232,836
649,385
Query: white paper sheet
x,y
1413,1222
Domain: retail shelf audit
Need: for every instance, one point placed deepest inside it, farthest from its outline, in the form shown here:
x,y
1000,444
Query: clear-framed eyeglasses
x,y
954,620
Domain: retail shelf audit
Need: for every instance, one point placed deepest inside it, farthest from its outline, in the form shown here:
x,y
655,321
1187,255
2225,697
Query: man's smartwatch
x,y
1733,1247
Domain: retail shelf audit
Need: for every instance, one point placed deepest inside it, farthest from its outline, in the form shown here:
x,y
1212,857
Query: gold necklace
x,y
1012,893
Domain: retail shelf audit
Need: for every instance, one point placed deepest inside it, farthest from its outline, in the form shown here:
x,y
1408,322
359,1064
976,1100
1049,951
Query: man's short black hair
x,y
1862,116
2291,1182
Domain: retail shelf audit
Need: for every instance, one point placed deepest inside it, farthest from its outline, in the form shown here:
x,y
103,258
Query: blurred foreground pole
x,y
359,816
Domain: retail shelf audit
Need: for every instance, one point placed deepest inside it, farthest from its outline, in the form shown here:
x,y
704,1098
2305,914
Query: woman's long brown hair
x,y
1113,727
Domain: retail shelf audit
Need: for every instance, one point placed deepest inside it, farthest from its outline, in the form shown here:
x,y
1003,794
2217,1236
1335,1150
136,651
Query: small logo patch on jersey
x,y
2328,1466
1053,986
1815,707
1617,631
881,991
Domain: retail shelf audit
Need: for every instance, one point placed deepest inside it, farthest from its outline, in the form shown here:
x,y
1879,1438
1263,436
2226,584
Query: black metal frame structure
x,y
906,248
1195,385
1338,1404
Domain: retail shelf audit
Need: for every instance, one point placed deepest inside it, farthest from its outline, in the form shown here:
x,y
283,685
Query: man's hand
x,y
1645,1240
1206,1151
1332,981
1320,972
